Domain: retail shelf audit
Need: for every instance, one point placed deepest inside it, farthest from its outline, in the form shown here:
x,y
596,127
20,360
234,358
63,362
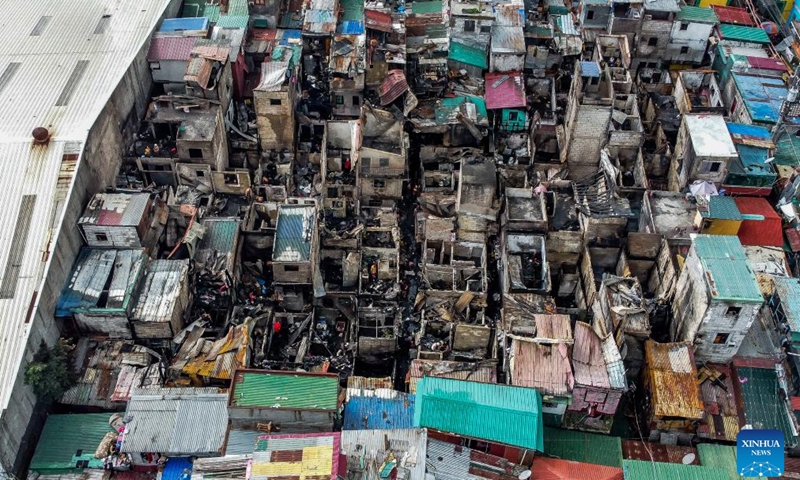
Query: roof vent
x,y
41,135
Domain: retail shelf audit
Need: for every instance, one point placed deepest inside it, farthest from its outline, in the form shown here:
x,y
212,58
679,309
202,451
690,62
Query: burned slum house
x,y
347,69
383,166
339,171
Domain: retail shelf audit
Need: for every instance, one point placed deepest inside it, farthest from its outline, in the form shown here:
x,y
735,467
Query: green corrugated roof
x,y
498,413
211,12
220,235
641,470
763,406
739,33
787,150
67,439
719,456
697,15
233,21
722,208
353,9
469,55
723,258
449,105
238,8
291,391
583,447
426,7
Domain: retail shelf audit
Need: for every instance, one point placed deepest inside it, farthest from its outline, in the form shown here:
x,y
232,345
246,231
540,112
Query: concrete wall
x,y
169,71
659,30
457,24
587,136
22,421
694,38
719,320
506,62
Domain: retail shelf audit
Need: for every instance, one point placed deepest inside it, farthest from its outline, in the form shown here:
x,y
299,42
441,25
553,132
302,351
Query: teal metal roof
x,y
788,291
448,106
292,391
211,12
641,470
497,413
763,406
69,439
718,456
233,21
418,8
469,55
739,33
220,235
722,208
728,274
238,8
583,447
697,15
787,150
293,233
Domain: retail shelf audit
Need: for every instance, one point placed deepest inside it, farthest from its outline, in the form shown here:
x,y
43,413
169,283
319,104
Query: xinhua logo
x,y
759,453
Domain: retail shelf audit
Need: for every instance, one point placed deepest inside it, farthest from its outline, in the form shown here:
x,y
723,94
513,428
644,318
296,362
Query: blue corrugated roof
x,y
590,69
746,130
350,27
174,469
293,233
289,36
762,96
498,413
727,271
181,24
373,413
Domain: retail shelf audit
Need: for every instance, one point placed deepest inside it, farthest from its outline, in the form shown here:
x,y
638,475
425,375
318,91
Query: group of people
x,y
158,151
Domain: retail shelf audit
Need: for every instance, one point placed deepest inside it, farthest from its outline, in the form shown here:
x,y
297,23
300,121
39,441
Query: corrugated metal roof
x,y
642,450
557,469
735,15
320,17
721,421
484,372
46,172
233,21
507,40
160,292
504,90
294,232
241,441
93,270
767,232
727,272
543,367
583,447
663,6
379,412
176,423
174,468
366,386
422,8
443,404
294,391
392,87
587,358
764,407
378,20
673,380
590,69
454,462
170,48
788,291
313,455
115,209
67,439
462,53
722,208
762,96
719,456
640,470
447,108
738,33
696,15
367,449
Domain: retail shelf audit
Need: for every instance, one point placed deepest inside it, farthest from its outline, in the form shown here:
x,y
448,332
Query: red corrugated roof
x,y
766,63
505,90
795,403
767,232
378,20
557,469
793,236
394,86
735,15
170,48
